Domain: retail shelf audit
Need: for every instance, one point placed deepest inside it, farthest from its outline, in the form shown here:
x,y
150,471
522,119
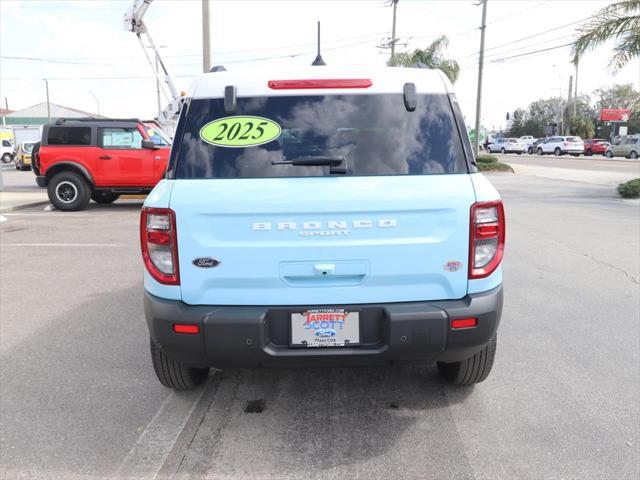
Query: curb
x,y
24,206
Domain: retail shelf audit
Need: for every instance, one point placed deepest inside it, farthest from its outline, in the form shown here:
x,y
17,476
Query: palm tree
x,y
620,21
432,57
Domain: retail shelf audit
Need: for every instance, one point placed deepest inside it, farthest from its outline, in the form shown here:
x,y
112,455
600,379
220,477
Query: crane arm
x,y
133,22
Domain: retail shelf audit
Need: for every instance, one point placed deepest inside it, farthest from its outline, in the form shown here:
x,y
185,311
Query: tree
x,y
433,57
518,128
619,21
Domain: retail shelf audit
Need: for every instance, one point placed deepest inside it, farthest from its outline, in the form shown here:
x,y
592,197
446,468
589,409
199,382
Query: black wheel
x,y
557,152
104,197
174,374
17,165
519,153
608,154
540,152
588,153
69,191
6,158
502,151
633,155
471,370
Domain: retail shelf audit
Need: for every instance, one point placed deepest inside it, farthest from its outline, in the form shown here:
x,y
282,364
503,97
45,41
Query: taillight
x,y
159,244
319,83
487,234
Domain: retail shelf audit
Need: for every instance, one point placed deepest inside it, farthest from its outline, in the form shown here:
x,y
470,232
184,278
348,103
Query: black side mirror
x,y
149,144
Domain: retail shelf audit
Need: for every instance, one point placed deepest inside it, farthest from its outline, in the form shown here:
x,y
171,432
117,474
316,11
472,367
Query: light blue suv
x,y
322,217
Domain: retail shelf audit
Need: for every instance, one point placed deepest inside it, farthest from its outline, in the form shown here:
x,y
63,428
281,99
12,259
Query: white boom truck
x,y
133,23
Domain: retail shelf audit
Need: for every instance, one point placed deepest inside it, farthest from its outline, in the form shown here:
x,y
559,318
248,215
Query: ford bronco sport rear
x,y
98,159
322,220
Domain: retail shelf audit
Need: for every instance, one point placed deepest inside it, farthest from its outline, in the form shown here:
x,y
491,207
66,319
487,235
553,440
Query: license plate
x,y
325,327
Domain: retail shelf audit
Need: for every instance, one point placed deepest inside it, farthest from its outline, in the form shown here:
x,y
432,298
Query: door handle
x,y
105,157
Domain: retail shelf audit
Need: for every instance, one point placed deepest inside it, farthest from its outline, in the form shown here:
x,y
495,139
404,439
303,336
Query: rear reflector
x,y
320,83
464,323
182,328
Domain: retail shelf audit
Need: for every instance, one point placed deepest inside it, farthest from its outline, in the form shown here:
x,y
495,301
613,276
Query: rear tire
x,y
174,374
540,152
69,191
588,153
104,197
608,154
6,158
633,155
471,370
557,152
502,151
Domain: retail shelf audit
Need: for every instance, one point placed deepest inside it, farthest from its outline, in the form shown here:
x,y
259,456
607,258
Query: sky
x,y
93,64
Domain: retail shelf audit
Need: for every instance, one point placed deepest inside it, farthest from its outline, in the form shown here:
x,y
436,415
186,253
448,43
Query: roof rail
x,y
61,120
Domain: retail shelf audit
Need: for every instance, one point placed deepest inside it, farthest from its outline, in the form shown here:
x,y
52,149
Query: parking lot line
x,y
156,441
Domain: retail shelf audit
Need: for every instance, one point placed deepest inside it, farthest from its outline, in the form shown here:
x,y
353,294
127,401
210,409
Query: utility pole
x,y
393,29
46,82
483,26
206,43
567,123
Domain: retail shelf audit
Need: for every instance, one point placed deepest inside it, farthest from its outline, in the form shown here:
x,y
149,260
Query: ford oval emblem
x,y
328,332
206,262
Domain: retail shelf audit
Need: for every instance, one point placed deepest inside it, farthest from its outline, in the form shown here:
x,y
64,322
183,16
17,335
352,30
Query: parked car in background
x,y
507,145
628,147
527,139
532,147
7,153
559,145
88,159
23,156
595,145
491,138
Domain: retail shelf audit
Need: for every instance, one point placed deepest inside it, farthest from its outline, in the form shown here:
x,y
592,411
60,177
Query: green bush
x,y
494,167
486,159
631,189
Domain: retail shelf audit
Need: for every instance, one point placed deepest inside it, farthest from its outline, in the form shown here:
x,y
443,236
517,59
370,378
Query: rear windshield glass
x,y
574,139
371,134
69,136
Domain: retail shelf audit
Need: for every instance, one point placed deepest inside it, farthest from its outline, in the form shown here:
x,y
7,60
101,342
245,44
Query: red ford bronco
x,y
84,159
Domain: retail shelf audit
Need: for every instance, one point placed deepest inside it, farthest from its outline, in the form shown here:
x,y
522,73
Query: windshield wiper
x,y
338,163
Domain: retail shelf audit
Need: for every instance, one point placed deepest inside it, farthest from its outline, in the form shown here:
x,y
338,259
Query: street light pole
x,y
96,99
46,82
206,43
483,27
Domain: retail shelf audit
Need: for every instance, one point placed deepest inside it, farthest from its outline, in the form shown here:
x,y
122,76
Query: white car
x,y
7,152
527,139
507,145
561,145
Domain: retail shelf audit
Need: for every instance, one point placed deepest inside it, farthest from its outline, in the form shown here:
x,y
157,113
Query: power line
x,y
292,55
530,36
92,60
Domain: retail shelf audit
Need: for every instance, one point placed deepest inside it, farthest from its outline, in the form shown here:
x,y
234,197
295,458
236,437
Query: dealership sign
x,y
615,114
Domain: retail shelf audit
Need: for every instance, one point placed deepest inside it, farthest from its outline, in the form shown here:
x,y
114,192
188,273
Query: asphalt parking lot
x,y
79,398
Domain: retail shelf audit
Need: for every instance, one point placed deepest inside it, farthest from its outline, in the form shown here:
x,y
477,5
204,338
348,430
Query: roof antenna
x,y
318,61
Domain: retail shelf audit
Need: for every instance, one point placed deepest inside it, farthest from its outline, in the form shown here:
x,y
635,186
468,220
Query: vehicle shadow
x,y
352,422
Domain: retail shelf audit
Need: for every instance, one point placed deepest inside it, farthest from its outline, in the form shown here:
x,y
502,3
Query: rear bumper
x,y
255,336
